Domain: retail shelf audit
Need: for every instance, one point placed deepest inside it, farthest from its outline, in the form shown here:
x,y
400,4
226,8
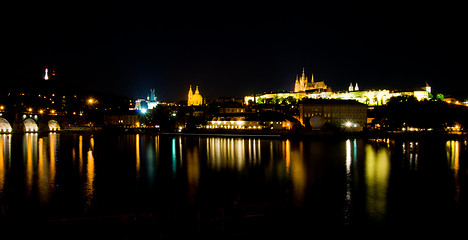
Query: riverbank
x,y
295,134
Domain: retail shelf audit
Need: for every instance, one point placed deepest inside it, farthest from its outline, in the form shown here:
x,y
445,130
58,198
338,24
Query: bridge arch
x,y
53,125
5,126
30,125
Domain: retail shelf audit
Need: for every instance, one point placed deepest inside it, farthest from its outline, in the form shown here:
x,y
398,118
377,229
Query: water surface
x,y
232,184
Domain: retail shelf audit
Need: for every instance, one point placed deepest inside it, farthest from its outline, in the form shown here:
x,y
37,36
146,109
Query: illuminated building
x,y
233,123
344,114
302,88
140,104
152,100
123,120
145,104
370,97
231,110
428,88
376,97
421,95
302,84
352,89
194,99
318,90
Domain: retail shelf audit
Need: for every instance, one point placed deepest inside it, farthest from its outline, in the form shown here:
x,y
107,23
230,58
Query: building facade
x,y
194,99
341,114
233,123
122,120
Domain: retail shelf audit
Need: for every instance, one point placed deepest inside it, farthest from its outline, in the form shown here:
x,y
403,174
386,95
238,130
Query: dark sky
x,y
235,50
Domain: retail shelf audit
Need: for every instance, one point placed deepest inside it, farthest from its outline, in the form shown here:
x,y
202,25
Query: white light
x,y
348,124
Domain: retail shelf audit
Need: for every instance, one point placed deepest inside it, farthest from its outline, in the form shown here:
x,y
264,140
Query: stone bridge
x,y
24,122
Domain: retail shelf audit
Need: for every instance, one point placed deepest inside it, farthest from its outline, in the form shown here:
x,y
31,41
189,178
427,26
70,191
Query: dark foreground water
x,y
189,186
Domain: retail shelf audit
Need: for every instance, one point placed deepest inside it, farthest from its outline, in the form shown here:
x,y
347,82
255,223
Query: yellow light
x,y
90,101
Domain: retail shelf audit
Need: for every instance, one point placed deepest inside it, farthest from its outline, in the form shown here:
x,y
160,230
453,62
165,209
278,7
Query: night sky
x,y
236,50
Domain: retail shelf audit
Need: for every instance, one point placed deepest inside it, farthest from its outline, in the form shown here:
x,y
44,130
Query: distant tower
x,y
297,87
152,95
190,95
46,75
303,81
428,88
356,88
152,99
351,88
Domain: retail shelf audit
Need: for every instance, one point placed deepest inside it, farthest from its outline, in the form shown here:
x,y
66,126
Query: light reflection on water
x,y
232,153
377,172
347,180
5,159
90,176
453,157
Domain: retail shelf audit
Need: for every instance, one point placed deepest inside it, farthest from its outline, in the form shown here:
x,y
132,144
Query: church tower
x,y
303,81
428,88
297,87
194,99
351,88
190,96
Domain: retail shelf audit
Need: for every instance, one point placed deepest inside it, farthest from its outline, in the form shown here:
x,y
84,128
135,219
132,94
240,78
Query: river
x,y
231,184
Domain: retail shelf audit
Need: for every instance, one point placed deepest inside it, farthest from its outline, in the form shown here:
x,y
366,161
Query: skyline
x,y
131,49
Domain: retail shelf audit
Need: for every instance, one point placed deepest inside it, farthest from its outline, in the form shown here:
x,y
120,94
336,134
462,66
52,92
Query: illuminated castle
x,y
302,84
318,90
194,99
